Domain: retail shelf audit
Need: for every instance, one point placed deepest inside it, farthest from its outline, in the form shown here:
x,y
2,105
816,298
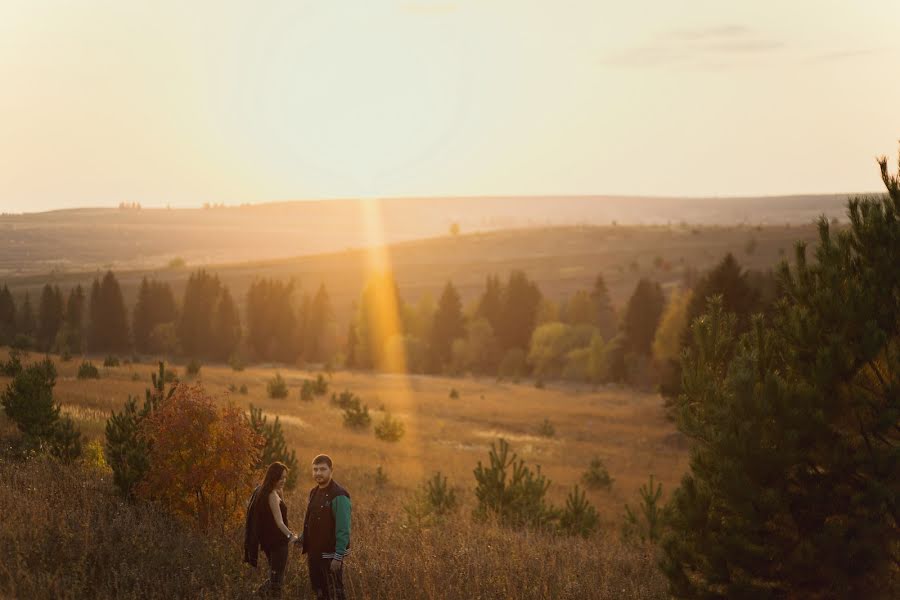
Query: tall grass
x,y
65,534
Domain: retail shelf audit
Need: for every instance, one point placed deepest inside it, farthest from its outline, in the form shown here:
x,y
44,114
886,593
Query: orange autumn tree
x,y
202,459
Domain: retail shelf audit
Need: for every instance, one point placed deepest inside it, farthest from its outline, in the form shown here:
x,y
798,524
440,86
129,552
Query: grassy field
x,y
626,429
100,238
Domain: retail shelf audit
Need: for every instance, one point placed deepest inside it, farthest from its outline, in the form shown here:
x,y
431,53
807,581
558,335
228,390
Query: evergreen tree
x,y
27,323
226,326
729,280
521,300
73,326
449,325
127,447
319,326
352,346
142,318
95,310
271,320
50,317
275,448
195,328
109,325
605,318
795,480
155,306
7,316
642,316
490,305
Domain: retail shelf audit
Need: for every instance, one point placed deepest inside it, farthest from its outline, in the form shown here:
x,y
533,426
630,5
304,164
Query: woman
x,y
267,526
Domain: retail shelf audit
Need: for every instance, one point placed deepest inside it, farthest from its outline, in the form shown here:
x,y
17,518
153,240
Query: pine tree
x,y
605,319
195,328
275,448
7,316
795,480
521,300
73,327
728,280
271,320
50,317
155,306
142,318
109,321
95,317
321,318
642,317
449,325
490,305
226,326
127,448
27,323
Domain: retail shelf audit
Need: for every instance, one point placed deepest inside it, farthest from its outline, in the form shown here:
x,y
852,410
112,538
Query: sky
x,y
181,103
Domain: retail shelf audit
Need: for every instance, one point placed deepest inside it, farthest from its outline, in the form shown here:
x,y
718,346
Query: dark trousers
x,y
277,557
326,584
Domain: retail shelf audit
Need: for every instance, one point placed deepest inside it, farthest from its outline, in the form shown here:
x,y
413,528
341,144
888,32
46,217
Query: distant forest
x,y
511,331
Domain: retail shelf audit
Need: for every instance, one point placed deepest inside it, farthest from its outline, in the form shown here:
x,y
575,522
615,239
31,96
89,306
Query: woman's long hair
x,y
273,475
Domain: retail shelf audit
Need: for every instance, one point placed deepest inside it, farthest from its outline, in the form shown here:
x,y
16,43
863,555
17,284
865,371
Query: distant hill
x,y
96,238
561,259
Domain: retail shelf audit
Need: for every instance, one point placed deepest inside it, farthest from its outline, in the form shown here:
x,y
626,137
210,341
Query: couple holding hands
x,y
326,530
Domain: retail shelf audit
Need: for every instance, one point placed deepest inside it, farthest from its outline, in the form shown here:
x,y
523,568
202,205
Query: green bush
x,y
277,387
111,361
432,502
28,402
390,429
307,390
579,517
645,524
193,368
13,365
65,443
275,448
454,394
546,429
243,390
511,491
597,477
127,449
345,399
87,370
356,416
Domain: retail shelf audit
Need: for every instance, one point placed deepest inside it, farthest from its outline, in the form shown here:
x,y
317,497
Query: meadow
x,y
463,558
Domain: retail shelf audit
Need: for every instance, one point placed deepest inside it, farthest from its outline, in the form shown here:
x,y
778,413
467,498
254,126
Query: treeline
x,y
511,330
206,323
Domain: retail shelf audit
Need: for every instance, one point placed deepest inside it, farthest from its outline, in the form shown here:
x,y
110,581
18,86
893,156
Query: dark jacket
x,y
326,526
251,532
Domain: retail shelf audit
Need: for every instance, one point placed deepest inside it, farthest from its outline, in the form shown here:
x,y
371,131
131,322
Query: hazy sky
x,y
188,102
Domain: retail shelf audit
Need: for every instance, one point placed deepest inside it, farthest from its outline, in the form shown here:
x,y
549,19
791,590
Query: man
x,y
326,532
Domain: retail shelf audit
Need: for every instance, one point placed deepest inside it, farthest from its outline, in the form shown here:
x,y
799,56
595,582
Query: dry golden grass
x,y
66,535
464,559
626,429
